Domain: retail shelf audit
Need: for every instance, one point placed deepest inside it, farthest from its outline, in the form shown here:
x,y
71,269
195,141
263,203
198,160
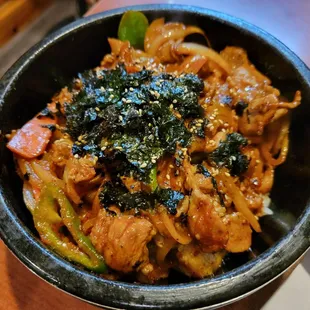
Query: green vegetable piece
x,y
132,28
47,219
153,179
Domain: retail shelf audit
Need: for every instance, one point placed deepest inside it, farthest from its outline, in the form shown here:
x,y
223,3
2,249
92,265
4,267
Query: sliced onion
x,y
198,49
46,175
240,202
29,200
163,33
115,45
154,29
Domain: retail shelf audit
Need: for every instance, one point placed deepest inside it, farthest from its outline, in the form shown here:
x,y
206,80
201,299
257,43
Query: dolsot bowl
x,y
38,74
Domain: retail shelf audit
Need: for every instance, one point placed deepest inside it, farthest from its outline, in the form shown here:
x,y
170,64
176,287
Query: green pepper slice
x,y
132,28
47,221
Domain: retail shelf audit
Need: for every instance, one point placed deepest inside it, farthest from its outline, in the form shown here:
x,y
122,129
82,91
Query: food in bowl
x,y
158,159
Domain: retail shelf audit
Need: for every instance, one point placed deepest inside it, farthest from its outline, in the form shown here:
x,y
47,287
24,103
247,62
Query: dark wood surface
x,y
289,21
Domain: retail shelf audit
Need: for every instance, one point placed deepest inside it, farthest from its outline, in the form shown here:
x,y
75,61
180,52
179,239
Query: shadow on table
x,y
257,300
306,262
31,293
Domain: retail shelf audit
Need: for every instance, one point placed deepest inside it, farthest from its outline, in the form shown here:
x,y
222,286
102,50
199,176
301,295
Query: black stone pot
x,y
30,83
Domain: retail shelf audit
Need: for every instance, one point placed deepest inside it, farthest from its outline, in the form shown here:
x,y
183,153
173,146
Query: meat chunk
x,y
205,214
205,223
240,233
61,151
81,169
122,240
197,264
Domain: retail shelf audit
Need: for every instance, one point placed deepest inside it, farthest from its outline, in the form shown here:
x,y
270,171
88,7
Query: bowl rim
x,y
206,293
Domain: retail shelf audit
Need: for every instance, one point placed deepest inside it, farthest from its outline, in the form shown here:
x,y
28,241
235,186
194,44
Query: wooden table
x,y
289,21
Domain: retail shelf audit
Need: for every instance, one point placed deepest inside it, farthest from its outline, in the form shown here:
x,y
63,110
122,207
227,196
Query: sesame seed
x,y
120,118
157,83
110,89
257,161
215,172
112,96
150,125
97,109
153,161
103,148
223,130
199,125
128,101
131,89
171,106
143,165
126,90
157,94
200,120
76,156
102,89
211,117
227,174
191,130
168,176
174,101
171,166
212,128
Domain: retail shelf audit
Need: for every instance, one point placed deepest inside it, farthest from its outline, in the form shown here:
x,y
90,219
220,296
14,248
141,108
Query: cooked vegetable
x,y
153,179
48,221
132,28
197,49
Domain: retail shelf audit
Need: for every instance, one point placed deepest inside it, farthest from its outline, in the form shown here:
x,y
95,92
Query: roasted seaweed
x,y
119,195
228,154
134,114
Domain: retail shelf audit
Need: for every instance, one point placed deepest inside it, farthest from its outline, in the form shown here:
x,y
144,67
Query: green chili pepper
x,y
132,28
47,222
153,179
